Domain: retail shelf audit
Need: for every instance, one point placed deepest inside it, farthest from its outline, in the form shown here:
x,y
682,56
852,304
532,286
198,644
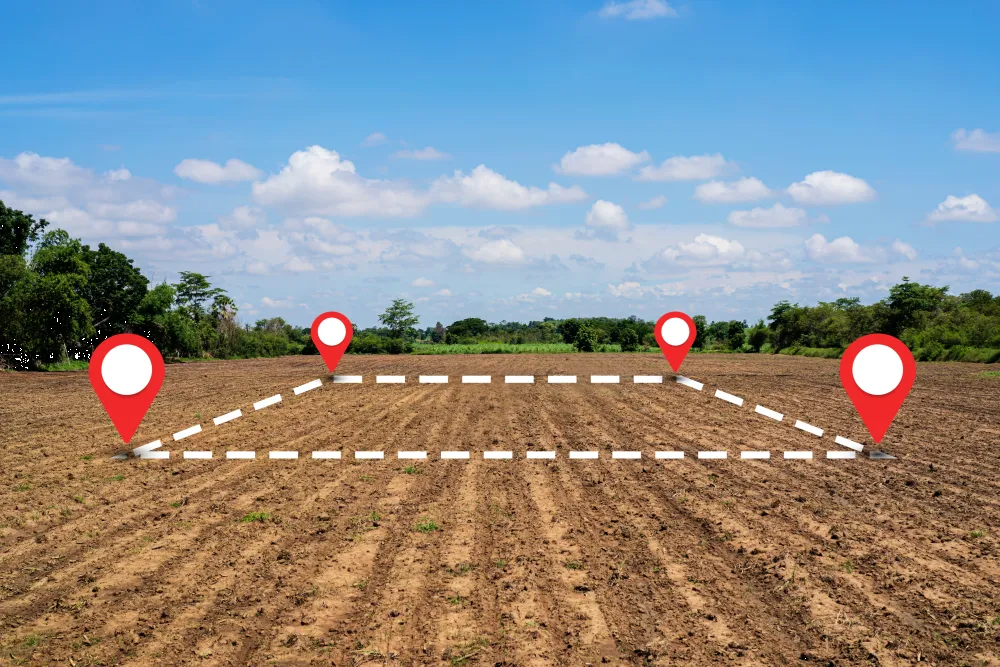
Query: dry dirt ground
x,y
517,562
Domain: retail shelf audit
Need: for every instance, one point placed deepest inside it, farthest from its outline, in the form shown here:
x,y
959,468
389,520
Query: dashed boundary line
x,y
149,451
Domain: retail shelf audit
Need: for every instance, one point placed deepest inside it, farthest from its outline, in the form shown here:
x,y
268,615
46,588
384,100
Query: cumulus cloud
x,y
541,291
213,173
776,216
43,173
681,168
904,249
600,160
443,292
972,208
705,250
485,188
503,251
656,202
977,140
628,290
745,189
116,175
637,10
142,209
423,282
830,187
586,262
423,154
608,217
843,249
243,218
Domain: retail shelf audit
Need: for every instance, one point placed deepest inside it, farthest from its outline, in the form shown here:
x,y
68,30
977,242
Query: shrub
x,y
629,340
586,339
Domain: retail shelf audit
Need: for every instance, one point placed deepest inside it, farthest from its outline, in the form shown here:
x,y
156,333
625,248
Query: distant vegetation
x,y
59,299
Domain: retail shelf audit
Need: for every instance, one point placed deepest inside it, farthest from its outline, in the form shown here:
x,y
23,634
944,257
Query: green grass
x,y
990,374
411,470
822,352
117,478
427,526
573,565
259,517
70,365
22,487
976,534
493,348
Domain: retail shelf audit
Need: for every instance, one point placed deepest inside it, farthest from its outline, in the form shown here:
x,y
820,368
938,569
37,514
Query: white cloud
x,y
116,175
485,188
443,292
843,249
608,216
705,250
423,282
374,139
244,217
972,208
977,140
206,171
776,216
424,154
656,202
502,251
600,160
904,249
830,187
638,10
745,189
287,302
44,173
628,290
143,209
541,291
298,265
681,168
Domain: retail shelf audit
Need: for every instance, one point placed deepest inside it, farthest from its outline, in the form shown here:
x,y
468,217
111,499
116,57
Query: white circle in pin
x,y
675,331
877,369
126,370
332,331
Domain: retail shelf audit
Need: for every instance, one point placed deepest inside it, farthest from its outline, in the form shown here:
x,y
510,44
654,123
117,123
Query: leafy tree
x,y
586,339
195,293
468,328
570,330
735,334
700,326
757,336
114,290
629,340
399,318
438,333
18,231
907,301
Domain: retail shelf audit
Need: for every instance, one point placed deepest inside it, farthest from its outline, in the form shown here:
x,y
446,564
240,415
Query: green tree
x,y
18,231
908,301
195,293
700,326
438,333
470,327
629,340
114,290
586,339
569,330
399,318
758,335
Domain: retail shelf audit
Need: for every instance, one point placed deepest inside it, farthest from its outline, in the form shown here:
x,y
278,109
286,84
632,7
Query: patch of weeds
x,y
176,503
22,487
460,654
460,569
117,478
976,534
456,600
86,457
500,563
79,499
848,567
360,584
367,478
713,477
573,565
411,470
251,517
427,526
66,512
197,416
32,641
990,374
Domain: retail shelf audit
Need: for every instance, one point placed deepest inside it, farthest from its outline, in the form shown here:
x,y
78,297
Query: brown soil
x,y
521,562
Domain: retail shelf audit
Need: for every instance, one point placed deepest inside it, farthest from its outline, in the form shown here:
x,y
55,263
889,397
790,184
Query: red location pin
x,y
126,372
877,372
332,333
675,332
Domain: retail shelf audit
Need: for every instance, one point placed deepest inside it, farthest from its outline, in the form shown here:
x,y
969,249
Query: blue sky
x,y
514,160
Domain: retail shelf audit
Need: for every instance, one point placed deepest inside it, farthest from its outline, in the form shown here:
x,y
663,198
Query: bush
x,y
629,340
370,344
586,339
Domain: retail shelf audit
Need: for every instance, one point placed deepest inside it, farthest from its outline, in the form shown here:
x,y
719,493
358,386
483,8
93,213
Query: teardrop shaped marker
x,y
675,333
877,372
126,372
332,333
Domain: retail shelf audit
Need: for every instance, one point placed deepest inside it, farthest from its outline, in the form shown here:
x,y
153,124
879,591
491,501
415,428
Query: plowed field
x,y
501,562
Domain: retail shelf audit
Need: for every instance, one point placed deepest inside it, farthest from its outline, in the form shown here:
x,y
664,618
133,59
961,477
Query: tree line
x,y
60,298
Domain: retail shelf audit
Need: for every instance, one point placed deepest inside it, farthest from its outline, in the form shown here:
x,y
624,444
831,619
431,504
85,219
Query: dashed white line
x,y
154,455
260,405
326,455
369,455
856,446
729,398
519,379
540,455
156,444
390,379
448,454
583,455
347,379
495,455
121,456
411,455
713,455
647,379
761,410
433,379
669,455
605,379
241,455
799,455
308,386
841,455
562,379
755,455
273,454
180,435
809,428
198,455
476,379
622,455
228,417
688,382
